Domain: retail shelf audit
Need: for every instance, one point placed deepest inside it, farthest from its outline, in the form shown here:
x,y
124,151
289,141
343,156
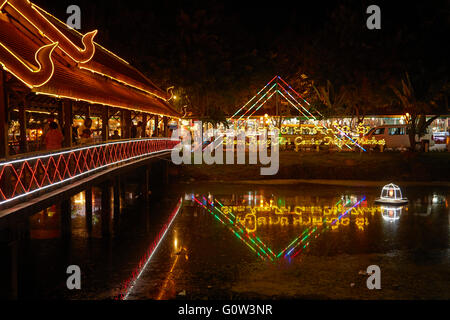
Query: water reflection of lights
x,y
175,241
254,216
438,199
128,285
322,230
166,281
79,198
391,213
255,244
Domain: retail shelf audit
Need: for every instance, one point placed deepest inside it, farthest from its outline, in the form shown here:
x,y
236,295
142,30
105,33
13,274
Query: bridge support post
x,y
146,190
116,198
66,218
165,172
9,270
106,209
88,209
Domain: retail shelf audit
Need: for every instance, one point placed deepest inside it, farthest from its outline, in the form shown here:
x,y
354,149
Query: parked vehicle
x,y
440,137
396,136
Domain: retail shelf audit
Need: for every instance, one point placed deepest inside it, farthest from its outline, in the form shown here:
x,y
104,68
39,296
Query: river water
x,y
231,241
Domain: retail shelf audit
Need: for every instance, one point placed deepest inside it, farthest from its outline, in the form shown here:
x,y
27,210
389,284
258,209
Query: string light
x,y
40,186
276,84
35,16
31,77
29,12
257,101
254,97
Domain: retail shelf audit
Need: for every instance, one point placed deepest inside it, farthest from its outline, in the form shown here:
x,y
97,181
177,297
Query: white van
x,y
396,136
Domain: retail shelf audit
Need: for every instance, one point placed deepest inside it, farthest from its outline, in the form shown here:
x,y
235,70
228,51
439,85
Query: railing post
x,y
166,126
23,127
125,124
67,111
144,126
105,126
4,148
156,130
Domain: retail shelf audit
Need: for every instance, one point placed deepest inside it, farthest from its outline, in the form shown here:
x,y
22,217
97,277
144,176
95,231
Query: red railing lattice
x,y
22,177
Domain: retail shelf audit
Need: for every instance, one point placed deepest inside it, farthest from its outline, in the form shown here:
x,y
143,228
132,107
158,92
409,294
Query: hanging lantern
x,y
392,194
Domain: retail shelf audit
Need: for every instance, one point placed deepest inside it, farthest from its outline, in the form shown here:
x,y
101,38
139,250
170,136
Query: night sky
x,y
230,49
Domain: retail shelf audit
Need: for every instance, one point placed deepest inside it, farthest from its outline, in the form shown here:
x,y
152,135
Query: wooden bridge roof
x,y
54,60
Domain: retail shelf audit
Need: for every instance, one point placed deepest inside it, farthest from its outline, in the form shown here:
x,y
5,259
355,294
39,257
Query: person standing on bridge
x,y
85,132
53,138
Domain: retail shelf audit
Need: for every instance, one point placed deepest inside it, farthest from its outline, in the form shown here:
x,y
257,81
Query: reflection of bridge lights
x,y
129,284
79,199
391,214
175,243
438,199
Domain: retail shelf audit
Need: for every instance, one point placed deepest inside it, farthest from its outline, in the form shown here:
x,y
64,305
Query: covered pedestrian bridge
x,y
52,73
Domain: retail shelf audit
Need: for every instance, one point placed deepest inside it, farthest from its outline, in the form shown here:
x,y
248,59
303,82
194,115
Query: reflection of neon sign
x,y
239,225
321,231
238,230
253,217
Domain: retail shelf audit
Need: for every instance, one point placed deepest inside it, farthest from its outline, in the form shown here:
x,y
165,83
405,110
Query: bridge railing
x,y
23,177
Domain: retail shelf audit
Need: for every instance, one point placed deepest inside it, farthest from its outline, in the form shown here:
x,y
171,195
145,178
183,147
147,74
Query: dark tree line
x,y
218,54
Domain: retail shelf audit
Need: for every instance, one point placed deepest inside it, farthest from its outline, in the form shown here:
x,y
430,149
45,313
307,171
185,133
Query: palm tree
x,y
416,106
